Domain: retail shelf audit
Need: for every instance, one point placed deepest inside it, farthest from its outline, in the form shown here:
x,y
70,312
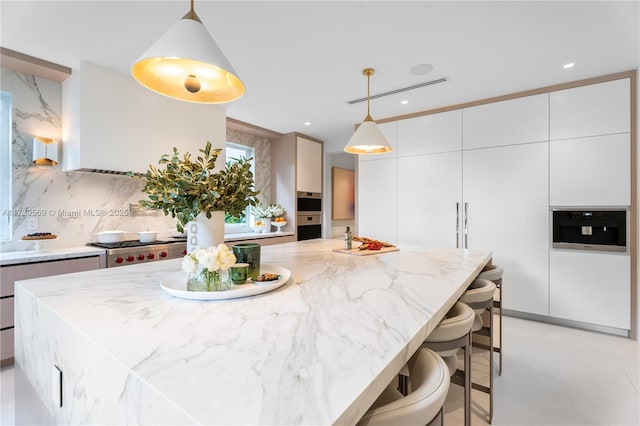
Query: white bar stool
x,y
494,273
452,334
430,380
479,297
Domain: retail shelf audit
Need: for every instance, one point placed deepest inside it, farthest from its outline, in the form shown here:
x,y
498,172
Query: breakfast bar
x,y
317,350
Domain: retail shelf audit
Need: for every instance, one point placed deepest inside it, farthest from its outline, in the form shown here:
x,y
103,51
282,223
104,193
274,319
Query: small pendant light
x,y
368,139
187,64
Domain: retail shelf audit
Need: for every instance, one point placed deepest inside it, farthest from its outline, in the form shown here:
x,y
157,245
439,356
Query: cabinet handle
x,y
466,225
457,225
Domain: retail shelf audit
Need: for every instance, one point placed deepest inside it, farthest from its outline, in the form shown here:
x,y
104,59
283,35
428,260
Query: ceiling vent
x,y
404,89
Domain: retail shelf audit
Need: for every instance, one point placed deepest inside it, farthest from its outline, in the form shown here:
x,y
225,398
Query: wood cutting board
x,y
356,252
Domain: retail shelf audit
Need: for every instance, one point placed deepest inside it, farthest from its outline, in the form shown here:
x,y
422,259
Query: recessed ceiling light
x,y
307,123
421,69
569,65
404,102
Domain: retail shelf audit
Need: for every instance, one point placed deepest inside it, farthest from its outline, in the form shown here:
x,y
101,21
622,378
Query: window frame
x,y
249,152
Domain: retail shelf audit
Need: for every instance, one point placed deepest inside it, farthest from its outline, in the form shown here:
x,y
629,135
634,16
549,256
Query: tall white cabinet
x,y
506,206
505,191
429,172
590,166
487,176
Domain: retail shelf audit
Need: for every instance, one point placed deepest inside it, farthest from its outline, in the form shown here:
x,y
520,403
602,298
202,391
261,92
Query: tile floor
x,y
552,375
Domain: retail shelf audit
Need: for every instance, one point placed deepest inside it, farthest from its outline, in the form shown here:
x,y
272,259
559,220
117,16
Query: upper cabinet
x,y
110,122
430,134
597,109
308,165
590,153
591,171
514,121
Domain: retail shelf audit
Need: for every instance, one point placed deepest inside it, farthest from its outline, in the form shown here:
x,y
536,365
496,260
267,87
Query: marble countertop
x,y
29,256
318,350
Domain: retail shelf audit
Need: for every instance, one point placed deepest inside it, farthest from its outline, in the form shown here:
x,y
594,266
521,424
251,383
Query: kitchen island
x,y
317,350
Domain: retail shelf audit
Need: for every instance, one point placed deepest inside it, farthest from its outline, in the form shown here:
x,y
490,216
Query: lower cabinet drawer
x,y
6,312
6,344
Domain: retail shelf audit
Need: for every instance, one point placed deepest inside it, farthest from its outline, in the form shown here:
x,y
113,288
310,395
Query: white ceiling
x,y
301,61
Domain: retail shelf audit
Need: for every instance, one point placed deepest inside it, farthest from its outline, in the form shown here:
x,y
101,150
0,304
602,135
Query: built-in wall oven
x,y
309,219
603,229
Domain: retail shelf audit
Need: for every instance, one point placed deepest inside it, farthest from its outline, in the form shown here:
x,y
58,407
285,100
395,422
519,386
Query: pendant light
x,y
368,139
187,64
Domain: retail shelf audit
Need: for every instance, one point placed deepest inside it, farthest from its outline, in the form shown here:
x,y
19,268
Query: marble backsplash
x,y
76,205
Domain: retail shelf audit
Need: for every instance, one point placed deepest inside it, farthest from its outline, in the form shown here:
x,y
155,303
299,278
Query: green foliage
x,y
184,188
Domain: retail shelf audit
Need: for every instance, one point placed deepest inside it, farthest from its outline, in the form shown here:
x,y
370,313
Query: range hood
x,y
111,124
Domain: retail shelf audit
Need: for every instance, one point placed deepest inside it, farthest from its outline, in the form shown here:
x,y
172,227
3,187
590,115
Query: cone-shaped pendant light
x,y
187,64
368,139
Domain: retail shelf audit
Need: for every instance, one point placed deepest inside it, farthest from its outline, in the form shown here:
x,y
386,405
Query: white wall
x,y
637,190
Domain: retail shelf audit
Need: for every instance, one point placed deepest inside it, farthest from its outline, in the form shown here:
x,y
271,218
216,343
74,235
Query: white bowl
x,y
147,236
111,236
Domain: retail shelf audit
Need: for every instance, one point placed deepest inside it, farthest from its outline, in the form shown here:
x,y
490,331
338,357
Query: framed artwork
x,y
343,193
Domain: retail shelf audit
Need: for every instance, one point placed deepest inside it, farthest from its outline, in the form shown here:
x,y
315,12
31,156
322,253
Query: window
x,y
235,151
5,167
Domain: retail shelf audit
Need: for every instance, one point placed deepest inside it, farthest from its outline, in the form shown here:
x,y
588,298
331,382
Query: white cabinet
x,y
597,109
429,190
12,273
110,122
376,205
308,165
506,194
591,171
514,121
500,165
591,287
430,134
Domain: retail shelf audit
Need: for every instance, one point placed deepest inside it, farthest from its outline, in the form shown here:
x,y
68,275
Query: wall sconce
x,y
45,151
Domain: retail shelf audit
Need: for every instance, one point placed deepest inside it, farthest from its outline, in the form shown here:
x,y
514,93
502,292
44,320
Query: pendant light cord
x,y
368,92
368,72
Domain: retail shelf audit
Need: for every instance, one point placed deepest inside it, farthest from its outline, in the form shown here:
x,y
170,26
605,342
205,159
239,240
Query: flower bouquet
x,y
272,210
205,268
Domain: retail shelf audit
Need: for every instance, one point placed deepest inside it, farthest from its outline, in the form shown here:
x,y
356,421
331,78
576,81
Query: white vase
x,y
204,232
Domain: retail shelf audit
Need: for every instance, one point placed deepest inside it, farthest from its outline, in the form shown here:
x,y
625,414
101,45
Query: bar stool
x,y
494,273
479,297
452,334
430,380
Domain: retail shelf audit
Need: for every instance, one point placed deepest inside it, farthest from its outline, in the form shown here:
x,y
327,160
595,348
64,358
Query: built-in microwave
x,y
309,202
309,207
590,228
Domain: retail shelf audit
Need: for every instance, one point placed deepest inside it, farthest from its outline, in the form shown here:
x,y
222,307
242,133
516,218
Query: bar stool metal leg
x,y
487,332
467,381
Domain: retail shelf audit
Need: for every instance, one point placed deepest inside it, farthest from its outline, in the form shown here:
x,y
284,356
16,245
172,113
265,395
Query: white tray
x,y
176,285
